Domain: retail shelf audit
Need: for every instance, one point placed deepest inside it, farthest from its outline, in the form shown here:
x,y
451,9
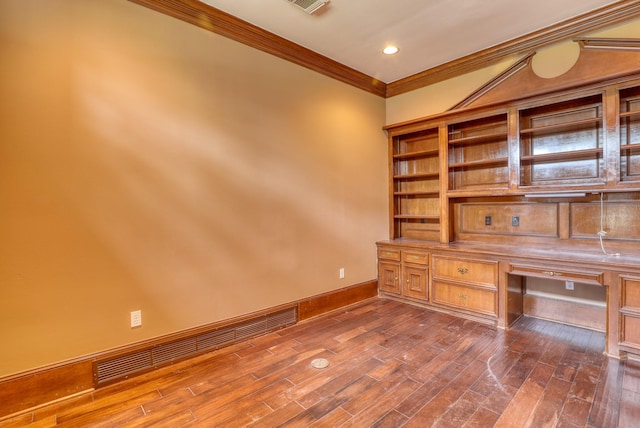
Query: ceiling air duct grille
x,y
309,6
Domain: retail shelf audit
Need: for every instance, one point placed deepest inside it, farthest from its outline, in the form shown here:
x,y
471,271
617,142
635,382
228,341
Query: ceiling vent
x,y
309,6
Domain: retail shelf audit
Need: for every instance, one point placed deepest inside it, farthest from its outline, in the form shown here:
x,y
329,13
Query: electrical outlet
x,y
568,285
136,318
487,220
341,274
515,221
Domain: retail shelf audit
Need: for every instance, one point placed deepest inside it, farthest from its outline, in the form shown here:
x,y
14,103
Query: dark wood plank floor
x,y
391,365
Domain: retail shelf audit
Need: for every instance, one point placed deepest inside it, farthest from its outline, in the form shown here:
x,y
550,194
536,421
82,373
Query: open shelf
x,y
478,153
630,135
415,194
562,143
418,154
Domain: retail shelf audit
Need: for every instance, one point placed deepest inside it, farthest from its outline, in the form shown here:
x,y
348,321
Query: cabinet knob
x,y
463,270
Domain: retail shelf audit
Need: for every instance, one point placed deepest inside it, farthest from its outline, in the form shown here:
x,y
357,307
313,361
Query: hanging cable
x,y
602,232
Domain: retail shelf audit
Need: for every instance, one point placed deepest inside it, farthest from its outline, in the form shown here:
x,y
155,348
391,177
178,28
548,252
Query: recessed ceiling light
x,y
390,50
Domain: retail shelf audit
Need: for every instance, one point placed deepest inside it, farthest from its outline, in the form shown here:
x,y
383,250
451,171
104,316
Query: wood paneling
x,y
586,220
567,312
534,219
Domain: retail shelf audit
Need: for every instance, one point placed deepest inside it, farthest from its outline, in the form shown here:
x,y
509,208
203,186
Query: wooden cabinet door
x,y
630,312
389,277
415,282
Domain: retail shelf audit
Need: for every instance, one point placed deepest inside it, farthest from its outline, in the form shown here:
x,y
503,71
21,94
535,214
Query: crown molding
x,y
606,16
209,18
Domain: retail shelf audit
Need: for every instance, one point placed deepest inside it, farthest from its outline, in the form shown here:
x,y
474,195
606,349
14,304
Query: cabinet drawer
x,y
477,272
415,257
562,274
386,253
459,296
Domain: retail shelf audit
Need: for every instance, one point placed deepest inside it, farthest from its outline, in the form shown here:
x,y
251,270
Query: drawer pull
x,y
415,257
463,297
548,272
463,270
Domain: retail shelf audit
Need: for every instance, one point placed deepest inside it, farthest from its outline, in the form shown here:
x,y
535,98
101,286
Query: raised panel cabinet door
x,y
415,282
389,277
630,312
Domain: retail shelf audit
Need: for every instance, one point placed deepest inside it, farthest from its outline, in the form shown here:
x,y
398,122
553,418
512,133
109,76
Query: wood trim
x,y
219,22
478,93
608,43
37,387
209,18
606,16
332,300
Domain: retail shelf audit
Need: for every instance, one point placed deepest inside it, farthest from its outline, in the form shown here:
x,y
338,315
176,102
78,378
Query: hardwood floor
x,y
391,365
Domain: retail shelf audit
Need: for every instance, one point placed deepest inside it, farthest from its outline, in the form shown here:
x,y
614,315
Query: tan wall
x,y
148,164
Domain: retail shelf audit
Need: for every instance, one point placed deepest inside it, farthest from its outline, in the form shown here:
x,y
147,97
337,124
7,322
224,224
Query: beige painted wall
x,y
148,164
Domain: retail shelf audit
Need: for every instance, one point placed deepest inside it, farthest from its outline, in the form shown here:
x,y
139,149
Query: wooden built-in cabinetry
x,y
482,198
404,273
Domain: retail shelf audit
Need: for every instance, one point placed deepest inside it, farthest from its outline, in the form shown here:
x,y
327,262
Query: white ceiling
x,y
428,32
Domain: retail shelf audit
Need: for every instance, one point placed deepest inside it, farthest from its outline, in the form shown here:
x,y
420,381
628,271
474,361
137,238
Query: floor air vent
x,y
165,352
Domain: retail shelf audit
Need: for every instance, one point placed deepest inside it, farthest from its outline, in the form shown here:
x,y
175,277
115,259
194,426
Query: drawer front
x,y
459,296
415,257
388,253
630,293
477,272
583,276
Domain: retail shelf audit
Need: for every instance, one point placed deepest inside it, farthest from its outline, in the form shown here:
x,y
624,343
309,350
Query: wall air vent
x,y
309,6
169,350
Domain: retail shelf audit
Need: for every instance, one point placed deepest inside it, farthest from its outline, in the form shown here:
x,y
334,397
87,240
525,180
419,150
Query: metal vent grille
x,y
309,6
251,328
160,354
281,319
216,339
173,351
123,366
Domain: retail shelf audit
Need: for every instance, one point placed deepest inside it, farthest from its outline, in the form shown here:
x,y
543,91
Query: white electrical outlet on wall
x,y
136,318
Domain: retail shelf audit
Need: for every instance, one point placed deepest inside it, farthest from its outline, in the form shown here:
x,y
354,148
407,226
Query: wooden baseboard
x,y
44,385
28,390
322,303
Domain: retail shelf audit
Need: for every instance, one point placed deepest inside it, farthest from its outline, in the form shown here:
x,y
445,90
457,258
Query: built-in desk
x,y
487,283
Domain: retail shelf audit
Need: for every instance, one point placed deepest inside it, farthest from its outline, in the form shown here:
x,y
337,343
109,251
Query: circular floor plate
x,y
320,363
